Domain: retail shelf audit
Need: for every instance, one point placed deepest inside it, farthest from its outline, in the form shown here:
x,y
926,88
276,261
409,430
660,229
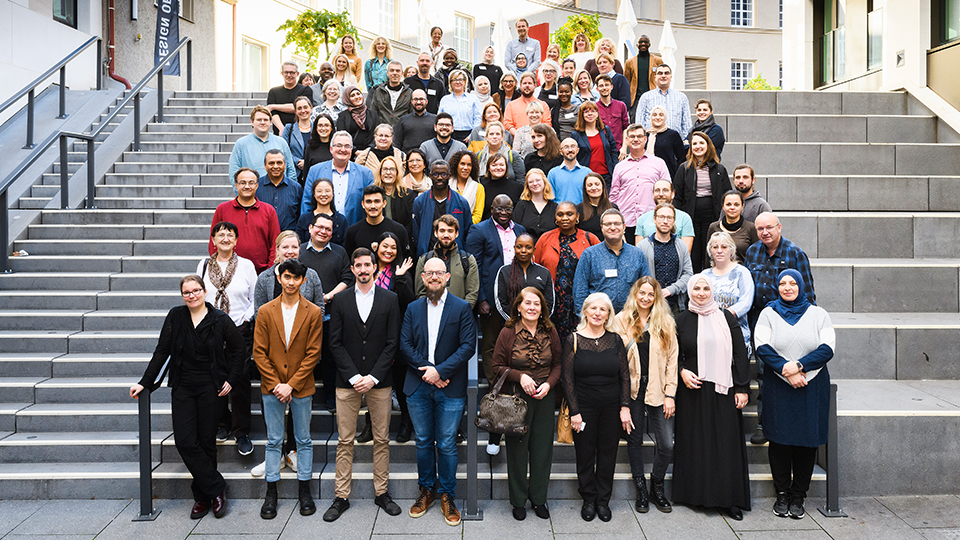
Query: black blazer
x,y
360,348
225,348
685,188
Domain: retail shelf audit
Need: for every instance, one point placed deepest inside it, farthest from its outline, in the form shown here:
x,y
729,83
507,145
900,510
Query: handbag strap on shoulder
x,y
500,381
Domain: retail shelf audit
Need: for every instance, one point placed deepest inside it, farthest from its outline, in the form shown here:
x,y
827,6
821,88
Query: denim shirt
x,y
602,270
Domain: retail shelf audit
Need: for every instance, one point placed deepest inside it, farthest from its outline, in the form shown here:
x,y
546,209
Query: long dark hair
x,y
401,254
314,138
313,196
455,164
603,204
551,145
515,283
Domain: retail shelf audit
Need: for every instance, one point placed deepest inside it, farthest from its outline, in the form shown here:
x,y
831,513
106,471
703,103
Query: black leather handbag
x,y
502,413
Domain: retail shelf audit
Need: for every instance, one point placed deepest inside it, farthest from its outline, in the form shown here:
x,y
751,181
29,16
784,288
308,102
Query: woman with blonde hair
x,y
342,72
649,334
596,383
733,285
583,90
375,69
523,141
582,50
604,45
348,48
399,199
536,209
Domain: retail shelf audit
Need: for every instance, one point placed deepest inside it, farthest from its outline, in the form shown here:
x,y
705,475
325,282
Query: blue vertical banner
x,y
168,35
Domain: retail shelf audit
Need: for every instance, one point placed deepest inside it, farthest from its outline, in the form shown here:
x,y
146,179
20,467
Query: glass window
x,y
252,71
874,38
741,12
740,74
951,20
65,11
461,36
386,26
348,6
695,12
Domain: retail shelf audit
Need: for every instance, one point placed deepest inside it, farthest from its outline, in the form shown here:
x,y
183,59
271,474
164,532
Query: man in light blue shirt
x,y
610,267
566,180
523,44
673,101
250,151
663,193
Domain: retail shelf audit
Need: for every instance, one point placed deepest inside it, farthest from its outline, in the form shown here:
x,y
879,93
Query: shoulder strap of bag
x,y
500,381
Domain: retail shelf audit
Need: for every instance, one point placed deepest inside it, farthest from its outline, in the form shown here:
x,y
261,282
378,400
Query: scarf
x,y
731,227
791,311
714,343
222,281
705,125
358,112
652,132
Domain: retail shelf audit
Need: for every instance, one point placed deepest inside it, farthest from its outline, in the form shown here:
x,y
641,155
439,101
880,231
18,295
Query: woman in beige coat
x,y
649,334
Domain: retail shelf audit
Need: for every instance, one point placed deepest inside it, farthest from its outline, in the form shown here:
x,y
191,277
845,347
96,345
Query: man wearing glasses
x,y
633,179
640,71
609,267
668,257
280,98
249,151
348,179
443,146
256,221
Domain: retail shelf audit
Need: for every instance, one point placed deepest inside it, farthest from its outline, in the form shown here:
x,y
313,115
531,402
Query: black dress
x,y
710,454
536,223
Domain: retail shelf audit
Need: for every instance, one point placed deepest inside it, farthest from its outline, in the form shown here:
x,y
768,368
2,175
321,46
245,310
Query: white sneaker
x,y
493,449
259,470
291,460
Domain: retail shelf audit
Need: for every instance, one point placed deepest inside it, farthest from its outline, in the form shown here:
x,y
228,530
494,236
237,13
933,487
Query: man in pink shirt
x,y
515,116
633,179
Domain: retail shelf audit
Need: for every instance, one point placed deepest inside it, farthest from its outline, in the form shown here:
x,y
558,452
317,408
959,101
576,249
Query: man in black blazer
x,y
491,244
438,338
364,331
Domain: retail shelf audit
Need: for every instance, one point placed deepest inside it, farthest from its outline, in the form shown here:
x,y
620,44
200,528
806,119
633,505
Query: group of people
x,y
369,246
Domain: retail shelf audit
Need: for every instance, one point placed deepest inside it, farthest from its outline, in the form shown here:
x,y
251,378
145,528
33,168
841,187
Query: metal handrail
x,y
147,511
30,89
63,137
831,507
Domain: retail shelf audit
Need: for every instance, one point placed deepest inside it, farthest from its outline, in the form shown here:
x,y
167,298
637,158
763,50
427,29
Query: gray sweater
x,y
679,287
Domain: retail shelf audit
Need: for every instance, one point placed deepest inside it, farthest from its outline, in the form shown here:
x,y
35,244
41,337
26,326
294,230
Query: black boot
x,y
643,504
406,429
269,508
658,496
366,435
307,508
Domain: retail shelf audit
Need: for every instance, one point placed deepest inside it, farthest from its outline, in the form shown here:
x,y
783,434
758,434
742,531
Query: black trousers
x,y
195,420
703,216
798,460
236,417
596,449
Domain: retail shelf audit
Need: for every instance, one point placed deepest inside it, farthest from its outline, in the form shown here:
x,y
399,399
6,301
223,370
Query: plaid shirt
x,y
765,268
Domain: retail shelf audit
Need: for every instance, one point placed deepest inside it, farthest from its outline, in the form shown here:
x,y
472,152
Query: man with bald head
x,y
416,127
765,260
432,86
437,339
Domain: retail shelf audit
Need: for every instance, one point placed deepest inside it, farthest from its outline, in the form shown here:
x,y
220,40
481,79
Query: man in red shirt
x,y
613,112
256,221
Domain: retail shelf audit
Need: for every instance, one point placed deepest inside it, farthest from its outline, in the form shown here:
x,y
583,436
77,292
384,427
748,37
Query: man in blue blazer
x,y
440,200
348,179
437,339
491,244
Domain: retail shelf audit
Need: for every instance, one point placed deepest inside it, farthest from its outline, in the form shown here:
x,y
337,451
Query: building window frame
x,y
387,17
463,23
184,9
350,6
741,13
261,74
65,12
741,72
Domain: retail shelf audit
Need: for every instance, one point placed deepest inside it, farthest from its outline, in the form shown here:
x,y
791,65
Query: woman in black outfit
x,y
358,120
206,354
318,149
547,149
596,382
710,452
399,199
496,181
596,201
699,185
536,210
665,143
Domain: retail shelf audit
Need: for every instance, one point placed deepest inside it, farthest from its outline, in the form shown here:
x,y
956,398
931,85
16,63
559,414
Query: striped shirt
x,y
676,105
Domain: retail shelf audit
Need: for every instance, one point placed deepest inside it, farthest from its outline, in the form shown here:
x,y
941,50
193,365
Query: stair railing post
x,y
4,233
91,174
30,103
471,509
190,65
832,506
147,511
64,175
63,92
136,122
160,97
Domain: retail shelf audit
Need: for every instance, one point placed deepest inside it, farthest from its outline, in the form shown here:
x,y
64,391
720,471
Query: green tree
x,y
759,83
576,24
312,28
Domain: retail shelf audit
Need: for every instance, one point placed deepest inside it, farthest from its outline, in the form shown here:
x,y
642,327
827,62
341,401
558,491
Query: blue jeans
x,y
300,409
435,418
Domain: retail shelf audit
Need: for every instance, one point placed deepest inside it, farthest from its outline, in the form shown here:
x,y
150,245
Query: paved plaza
x,y
873,518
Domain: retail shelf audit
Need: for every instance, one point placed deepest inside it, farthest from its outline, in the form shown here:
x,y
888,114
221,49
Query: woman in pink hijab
x,y
710,454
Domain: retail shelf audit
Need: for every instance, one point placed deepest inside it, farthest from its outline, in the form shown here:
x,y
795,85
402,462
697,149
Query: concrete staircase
x,y
862,184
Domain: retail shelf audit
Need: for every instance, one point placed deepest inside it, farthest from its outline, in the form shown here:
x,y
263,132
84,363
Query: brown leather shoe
x,y
450,513
424,502
200,509
220,505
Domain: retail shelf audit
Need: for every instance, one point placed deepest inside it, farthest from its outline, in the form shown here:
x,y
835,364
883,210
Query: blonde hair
x,y
660,321
608,325
386,53
399,188
608,41
547,189
576,80
280,238
724,238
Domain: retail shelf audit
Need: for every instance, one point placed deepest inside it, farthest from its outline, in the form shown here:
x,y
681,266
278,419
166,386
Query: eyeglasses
x,y
290,72
434,273
664,218
549,71
612,224
445,125
188,294
247,184
341,145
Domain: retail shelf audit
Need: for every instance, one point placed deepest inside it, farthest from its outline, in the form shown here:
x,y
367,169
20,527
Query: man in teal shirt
x,y
567,178
250,151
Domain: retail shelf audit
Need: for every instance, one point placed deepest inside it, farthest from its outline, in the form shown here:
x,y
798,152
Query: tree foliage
x,y
759,83
313,28
576,24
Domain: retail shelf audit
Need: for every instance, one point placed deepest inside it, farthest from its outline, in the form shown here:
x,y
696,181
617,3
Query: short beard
x,y
434,295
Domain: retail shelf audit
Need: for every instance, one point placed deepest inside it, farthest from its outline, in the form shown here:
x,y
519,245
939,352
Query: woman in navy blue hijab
x,y
795,340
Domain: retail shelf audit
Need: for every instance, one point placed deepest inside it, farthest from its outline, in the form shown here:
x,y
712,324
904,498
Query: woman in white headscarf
x,y
710,454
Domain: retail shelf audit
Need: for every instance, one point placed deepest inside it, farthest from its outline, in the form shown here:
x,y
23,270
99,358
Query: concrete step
x,y
161,263
222,101
39,320
203,147
178,110
27,364
139,281
117,203
815,128
209,118
184,137
88,417
790,102
34,341
86,232
48,299
113,341
136,167
259,97
902,159
879,285
96,365
26,281
862,193
18,389
61,246
113,179
194,156
222,192
93,390
139,300
193,127
8,415
66,263
94,447
125,217
105,321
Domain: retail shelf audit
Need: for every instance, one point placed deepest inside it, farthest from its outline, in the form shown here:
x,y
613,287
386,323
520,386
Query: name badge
x,y
570,115
610,273
432,91
484,68
529,47
552,96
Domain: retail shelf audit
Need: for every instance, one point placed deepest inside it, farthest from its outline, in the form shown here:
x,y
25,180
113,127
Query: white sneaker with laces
x,y
291,460
259,470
